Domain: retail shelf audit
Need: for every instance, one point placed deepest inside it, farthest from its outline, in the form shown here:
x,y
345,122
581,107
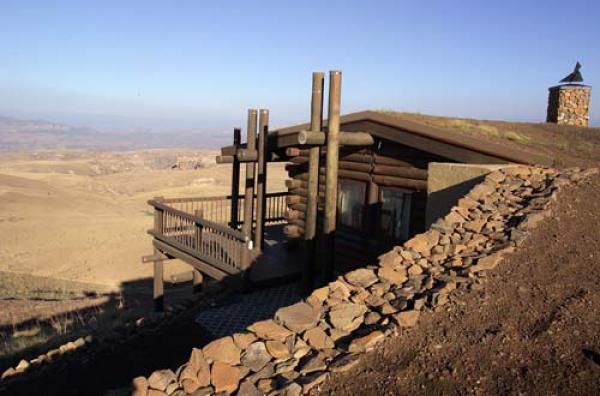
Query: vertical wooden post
x,y
261,185
331,178
312,200
158,217
197,280
158,289
249,189
235,181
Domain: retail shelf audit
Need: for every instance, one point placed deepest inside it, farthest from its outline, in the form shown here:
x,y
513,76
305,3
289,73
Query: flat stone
x,y
415,270
190,385
267,372
391,275
156,392
321,293
366,343
474,225
140,386
486,263
344,363
286,366
160,379
318,339
199,363
206,391
313,363
278,349
224,377
247,388
292,389
310,381
22,366
390,259
347,316
372,318
222,350
407,318
361,277
266,385
298,317
269,330
242,340
422,243
256,356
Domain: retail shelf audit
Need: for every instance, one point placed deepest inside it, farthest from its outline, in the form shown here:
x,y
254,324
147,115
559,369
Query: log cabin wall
x,y
383,168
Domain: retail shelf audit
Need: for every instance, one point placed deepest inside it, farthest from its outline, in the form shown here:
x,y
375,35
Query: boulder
x,y
242,340
422,243
225,377
222,350
278,350
298,317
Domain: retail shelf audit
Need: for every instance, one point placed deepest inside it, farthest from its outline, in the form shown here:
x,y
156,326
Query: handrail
x,y
199,220
218,197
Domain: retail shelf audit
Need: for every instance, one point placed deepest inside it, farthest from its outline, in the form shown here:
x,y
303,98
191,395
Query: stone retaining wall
x,y
328,331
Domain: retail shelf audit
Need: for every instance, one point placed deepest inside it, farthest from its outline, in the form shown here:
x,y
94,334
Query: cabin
x,y
358,185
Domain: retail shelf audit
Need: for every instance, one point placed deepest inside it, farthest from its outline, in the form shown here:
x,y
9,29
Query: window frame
x,y
363,208
406,214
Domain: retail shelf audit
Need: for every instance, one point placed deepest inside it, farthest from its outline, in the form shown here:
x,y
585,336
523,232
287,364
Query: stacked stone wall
x,y
329,330
569,105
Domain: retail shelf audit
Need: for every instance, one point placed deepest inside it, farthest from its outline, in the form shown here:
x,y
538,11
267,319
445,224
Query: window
x,y
395,213
351,203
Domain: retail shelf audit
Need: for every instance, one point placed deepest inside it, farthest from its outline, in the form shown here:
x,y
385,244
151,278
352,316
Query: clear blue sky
x,y
200,64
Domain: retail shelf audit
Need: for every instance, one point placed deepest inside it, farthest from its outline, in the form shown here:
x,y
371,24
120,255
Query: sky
x,y
199,65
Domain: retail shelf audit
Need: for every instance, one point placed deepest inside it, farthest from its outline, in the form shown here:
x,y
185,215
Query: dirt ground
x,y
534,328
73,228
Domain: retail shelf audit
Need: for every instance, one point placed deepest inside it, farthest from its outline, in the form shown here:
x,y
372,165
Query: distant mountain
x,y
18,134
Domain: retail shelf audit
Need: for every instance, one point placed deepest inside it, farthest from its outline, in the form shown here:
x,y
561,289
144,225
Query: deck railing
x,y
200,227
218,209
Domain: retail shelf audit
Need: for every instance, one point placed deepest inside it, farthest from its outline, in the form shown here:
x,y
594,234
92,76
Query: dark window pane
x,y
394,215
350,203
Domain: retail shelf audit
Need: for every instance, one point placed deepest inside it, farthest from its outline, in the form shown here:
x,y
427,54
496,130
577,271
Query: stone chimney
x,y
569,104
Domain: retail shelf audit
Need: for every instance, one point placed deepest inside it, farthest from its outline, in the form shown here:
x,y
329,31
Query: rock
x,y
172,388
267,372
222,350
247,388
206,391
361,277
140,386
407,318
224,377
366,343
278,350
242,340
292,389
286,366
474,225
269,330
415,270
392,275
372,318
8,373
347,316
310,381
266,385
256,356
318,339
22,366
486,263
422,243
315,362
160,379
298,317
156,392
79,342
190,385
200,365
344,363
321,294
481,191
390,259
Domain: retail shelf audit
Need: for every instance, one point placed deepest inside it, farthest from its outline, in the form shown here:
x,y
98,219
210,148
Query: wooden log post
x,y
261,185
312,196
249,196
158,217
331,169
235,182
158,291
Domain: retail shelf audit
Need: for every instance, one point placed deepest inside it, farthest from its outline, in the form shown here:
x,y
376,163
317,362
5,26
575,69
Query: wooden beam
x,y
249,186
158,292
318,138
331,166
235,182
411,173
247,155
261,185
391,181
224,159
